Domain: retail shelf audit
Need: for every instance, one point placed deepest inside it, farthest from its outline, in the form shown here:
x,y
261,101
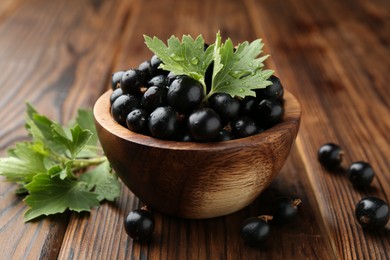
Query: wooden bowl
x,y
196,180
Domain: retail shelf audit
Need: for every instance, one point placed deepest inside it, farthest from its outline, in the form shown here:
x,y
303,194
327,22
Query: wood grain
x,y
334,56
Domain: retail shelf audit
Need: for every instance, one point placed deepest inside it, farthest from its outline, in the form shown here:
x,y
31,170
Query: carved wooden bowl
x,y
197,180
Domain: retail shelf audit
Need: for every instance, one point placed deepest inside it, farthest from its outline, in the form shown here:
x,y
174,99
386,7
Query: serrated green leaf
x,y
102,182
44,168
239,72
80,137
15,170
51,195
69,142
86,120
23,164
187,57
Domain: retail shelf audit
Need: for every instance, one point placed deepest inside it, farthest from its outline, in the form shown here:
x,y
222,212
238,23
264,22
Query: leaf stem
x,y
83,163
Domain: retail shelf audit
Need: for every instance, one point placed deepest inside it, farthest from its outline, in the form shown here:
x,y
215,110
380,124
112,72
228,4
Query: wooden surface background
x,y
334,56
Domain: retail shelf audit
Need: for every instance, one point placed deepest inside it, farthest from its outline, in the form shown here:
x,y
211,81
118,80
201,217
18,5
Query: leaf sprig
x,y
48,167
235,71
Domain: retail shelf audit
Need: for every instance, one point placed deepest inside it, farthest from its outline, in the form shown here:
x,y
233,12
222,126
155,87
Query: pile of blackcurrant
x,y
370,212
154,102
256,230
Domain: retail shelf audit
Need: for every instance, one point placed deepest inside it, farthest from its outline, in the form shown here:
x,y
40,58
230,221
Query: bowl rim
x,y
102,116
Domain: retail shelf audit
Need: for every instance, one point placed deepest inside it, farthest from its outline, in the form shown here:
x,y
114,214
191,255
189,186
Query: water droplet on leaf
x,y
194,61
176,57
240,73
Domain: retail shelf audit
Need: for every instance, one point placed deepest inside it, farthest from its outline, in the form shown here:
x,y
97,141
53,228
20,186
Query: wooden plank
x,y
335,57
56,55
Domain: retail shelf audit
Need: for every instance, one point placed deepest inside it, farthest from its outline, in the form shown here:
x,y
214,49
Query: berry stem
x,y
266,218
296,202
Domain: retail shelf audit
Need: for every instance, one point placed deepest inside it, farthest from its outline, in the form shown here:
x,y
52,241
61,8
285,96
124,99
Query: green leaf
x,y
102,182
239,72
52,195
23,163
80,137
58,138
187,57
45,167
86,120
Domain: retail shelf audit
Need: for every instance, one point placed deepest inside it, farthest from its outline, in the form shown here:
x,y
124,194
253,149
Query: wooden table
x,y
334,56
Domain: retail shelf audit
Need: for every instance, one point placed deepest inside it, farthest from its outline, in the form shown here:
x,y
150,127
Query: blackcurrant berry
x,y
185,94
204,125
132,80
330,156
225,135
225,105
170,78
284,210
274,91
248,105
116,79
115,94
186,138
139,224
146,68
243,127
137,121
154,97
372,213
158,81
255,231
268,112
163,123
361,174
155,62
122,106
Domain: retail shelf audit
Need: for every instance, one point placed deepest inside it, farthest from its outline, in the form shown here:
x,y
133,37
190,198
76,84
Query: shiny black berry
x,y
146,68
361,174
185,94
158,81
243,127
225,105
139,224
268,112
122,106
115,94
284,210
154,97
164,123
204,125
248,105
372,213
116,79
170,78
155,62
132,80
274,91
330,156
225,135
255,231
137,121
